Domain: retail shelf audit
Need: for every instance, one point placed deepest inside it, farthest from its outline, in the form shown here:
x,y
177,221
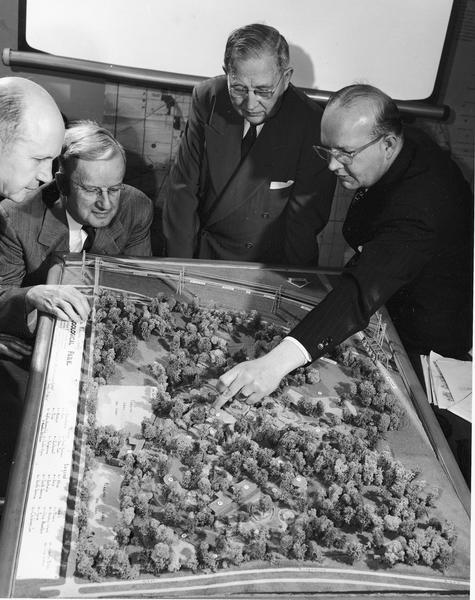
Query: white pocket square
x,y
280,185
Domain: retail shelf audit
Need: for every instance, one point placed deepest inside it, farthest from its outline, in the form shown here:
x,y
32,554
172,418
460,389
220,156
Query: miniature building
x,y
136,444
224,417
223,505
247,488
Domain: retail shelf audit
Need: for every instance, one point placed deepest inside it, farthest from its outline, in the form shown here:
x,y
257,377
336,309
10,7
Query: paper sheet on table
x,y
451,381
458,375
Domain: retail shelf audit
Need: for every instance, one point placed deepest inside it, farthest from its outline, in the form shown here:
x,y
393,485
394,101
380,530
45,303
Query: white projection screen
x,y
395,45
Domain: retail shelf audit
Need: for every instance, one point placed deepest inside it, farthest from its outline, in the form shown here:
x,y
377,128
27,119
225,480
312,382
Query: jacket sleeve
x,y
181,221
309,206
393,258
12,271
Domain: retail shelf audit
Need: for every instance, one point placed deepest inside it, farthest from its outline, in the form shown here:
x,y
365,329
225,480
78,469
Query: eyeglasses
x,y
99,192
239,91
342,156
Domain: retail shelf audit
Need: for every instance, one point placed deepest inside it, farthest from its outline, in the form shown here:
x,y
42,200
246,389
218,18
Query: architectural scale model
x,y
145,482
172,483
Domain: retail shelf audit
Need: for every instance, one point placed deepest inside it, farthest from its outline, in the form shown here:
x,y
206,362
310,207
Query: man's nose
x,y
251,100
104,200
45,172
334,164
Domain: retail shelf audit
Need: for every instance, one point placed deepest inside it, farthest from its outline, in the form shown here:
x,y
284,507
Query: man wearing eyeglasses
x,y
246,184
411,227
86,208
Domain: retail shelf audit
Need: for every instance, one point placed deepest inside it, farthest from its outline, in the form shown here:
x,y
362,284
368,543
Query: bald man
x,y
31,135
411,227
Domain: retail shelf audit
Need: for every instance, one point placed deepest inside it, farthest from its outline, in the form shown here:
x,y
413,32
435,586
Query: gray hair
x,y
387,115
11,112
254,40
87,140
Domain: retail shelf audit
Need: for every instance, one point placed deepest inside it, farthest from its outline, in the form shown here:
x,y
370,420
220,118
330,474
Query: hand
x,y
13,347
260,377
62,301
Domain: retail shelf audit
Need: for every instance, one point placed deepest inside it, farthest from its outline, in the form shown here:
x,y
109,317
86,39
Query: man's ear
x,y
391,144
62,182
287,76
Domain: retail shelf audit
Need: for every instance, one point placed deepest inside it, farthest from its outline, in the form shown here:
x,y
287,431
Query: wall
x,y
78,98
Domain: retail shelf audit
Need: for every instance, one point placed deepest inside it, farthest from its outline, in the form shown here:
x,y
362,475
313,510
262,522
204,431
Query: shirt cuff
x,y
302,348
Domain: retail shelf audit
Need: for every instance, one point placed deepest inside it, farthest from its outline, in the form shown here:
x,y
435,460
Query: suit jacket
x,y
415,231
31,232
221,208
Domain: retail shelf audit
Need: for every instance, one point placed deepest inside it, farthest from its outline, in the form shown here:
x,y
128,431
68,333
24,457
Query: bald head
x,y
371,103
361,126
31,134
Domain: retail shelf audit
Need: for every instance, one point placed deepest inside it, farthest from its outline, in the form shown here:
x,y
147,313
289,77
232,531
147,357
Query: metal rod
x,y
152,78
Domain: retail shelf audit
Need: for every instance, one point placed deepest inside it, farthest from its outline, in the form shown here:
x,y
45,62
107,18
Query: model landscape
x,y
303,476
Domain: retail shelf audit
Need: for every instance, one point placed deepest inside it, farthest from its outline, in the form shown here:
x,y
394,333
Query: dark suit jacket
x,y
220,209
415,227
31,232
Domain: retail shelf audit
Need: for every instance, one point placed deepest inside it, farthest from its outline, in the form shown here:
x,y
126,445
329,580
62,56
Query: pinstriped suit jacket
x,y
31,232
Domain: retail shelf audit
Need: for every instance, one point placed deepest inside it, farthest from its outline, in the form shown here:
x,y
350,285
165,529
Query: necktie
x,y
248,140
360,194
91,234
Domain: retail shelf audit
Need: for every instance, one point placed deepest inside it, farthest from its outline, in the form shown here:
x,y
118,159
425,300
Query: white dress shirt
x,y
77,235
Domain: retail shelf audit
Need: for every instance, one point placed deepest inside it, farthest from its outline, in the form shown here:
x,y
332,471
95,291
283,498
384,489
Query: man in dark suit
x,y
87,207
246,184
411,227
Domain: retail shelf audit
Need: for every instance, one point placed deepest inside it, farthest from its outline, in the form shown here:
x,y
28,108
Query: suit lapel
x,y
54,232
223,137
253,174
105,240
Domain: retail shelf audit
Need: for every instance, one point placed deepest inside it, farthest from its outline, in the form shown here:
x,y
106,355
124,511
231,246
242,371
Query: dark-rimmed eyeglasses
x,y
343,156
98,192
240,91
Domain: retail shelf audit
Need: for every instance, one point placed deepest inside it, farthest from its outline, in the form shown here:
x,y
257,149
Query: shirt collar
x,y
247,125
72,224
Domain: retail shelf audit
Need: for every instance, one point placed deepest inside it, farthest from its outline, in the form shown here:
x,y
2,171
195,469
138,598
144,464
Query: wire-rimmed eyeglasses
x,y
240,91
99,191
343,156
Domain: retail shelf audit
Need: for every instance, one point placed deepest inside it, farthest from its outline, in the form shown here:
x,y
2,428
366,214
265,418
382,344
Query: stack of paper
x,y
449,384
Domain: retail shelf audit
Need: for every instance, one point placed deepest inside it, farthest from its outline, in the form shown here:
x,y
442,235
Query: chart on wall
x,y
149,123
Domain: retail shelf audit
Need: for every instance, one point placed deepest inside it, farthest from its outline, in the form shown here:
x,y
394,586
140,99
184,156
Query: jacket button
x,y
320,346
249,245
265,215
